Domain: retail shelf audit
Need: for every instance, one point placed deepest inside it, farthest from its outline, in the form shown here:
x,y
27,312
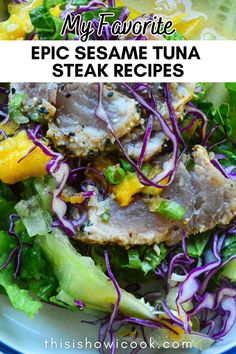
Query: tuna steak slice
x,y
209,199
76,126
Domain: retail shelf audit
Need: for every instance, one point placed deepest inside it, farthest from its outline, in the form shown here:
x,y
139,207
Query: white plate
x,y
28,336
19,334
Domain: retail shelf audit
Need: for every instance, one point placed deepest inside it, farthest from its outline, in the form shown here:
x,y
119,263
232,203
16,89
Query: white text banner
x,y
118,61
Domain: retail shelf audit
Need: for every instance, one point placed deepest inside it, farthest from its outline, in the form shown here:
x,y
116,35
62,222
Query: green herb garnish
x,y
114,174
171,210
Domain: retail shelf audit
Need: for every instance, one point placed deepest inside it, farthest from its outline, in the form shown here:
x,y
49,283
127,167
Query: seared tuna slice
x,y
76,126
208,197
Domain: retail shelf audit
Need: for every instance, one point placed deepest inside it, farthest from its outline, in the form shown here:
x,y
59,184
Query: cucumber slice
x,y
79,278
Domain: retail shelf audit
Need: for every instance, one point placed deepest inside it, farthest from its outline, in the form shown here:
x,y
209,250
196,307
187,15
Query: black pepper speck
x,y
43,110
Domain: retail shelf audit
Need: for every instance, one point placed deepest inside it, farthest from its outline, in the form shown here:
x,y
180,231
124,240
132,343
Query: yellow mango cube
x,y
131,185
125,191
55,11
18,23
77,198
190,29
12,150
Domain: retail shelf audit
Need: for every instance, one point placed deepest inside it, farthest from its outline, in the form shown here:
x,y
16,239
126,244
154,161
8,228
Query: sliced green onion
x,y
126,165
171,210
134,260
106,216
114,174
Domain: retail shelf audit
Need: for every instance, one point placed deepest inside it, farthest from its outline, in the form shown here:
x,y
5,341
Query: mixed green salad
x,y
43,19
119,198
50,251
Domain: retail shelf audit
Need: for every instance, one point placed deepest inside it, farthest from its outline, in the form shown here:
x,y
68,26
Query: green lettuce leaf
x,y
197,244
46,25
48,4
20,298
231,87
14,107
175,37
144,259
36,275
229,247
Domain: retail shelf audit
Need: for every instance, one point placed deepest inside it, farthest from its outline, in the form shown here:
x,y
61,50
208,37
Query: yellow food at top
x,y
56,11
125,191
77,198
12,150
190,29
19,23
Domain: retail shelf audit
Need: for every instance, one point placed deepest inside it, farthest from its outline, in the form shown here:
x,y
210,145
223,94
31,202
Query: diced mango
x,y
177,18
178,331
56,11
125,191
12,150
131,185
19,23
77,198
190,29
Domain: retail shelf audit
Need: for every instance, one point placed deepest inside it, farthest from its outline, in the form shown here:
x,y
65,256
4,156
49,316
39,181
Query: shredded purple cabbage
x,y
80,304
4,135
60,171
111,324
215,311
92,5
74,172
217,165
228,172
20,1
169,168
197,114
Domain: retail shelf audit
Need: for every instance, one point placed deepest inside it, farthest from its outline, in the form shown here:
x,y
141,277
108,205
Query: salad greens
x,y
46,25
15,109
231,88
36,276
20,298
39,263
197,244
42,258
